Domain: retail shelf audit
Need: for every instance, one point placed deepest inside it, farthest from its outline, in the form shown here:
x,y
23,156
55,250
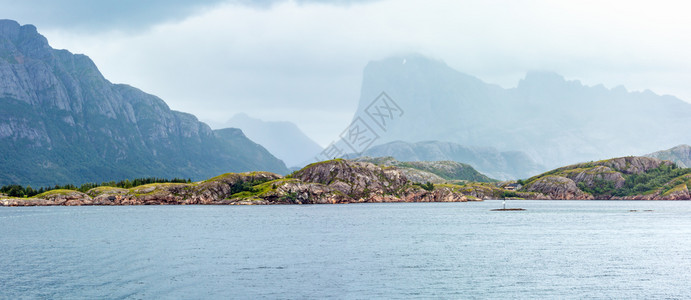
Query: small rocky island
x,y
334,181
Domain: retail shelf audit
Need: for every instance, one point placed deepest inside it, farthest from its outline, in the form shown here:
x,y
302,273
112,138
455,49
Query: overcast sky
x,y
302,61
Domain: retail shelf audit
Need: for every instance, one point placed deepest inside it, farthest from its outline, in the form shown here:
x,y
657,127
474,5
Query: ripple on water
x,y
555,249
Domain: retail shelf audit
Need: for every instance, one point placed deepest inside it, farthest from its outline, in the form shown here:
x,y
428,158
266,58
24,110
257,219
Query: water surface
x,y
555,249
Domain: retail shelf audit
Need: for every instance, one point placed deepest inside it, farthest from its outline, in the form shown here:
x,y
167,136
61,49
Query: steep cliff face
x,y
62,121
636,178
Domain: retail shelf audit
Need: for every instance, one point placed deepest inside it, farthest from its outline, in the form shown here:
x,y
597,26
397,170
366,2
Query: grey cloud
x,y
89,15
127,15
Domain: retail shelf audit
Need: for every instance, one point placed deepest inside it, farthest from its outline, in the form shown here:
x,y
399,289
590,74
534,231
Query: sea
x,y
552,250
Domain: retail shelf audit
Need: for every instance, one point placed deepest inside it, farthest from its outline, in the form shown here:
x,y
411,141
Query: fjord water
x,y
555,249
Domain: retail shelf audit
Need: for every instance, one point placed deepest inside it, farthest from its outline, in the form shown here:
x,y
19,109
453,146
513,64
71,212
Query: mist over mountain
x,y
500,165
553,120
62,122
283,139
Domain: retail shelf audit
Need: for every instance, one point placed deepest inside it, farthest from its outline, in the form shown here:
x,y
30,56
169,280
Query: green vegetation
x,y
426,186
314,164
55,192
246,186
482,189
22,192
15,190
510,194
662,178
256,188
292,197
658,178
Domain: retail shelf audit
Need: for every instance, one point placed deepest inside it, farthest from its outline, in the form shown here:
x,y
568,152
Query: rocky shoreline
x,y
330,182
346,181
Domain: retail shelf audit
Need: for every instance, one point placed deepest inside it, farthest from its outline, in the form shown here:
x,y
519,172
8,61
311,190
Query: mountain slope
x,y
680,155
555,121
489,161
61,121
283,139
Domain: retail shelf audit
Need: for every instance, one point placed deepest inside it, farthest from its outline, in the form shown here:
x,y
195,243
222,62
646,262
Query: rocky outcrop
x,y
592,176
329,182
558,188
634,164
440,194
419,176
52,198
431,171
355,179
628,178
679,194
298,192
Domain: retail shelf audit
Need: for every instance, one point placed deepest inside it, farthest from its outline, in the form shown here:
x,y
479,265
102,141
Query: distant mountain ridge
x,y
283,139
553,120
486,160
62,121
680,155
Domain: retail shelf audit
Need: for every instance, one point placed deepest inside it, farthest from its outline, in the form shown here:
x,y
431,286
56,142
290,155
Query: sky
x,y
302,61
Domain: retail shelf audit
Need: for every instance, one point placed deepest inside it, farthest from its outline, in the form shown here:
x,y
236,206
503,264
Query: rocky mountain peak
x,y
541,79
24,37
407,67
9,29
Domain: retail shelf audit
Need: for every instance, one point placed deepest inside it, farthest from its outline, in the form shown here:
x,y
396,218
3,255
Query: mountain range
x,y
553,120
62,122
